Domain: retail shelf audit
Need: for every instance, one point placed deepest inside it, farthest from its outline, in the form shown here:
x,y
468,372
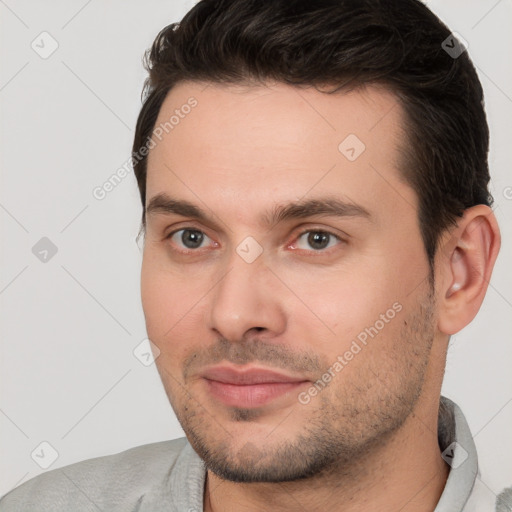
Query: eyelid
x,y
321,230
342,240
340,235
180,227
182,222
171,233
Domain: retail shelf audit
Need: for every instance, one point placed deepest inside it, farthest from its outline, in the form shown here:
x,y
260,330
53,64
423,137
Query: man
x,y
317,225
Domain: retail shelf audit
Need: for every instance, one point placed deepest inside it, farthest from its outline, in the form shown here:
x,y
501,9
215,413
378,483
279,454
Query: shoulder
x,y
101,483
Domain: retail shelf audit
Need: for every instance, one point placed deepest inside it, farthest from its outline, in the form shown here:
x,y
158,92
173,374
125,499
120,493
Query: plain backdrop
x,y
71,319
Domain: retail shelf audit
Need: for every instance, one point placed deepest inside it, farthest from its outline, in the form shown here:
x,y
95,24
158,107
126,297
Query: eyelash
x,y
301,234
322,231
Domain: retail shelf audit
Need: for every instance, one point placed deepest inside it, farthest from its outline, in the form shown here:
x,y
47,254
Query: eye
x,y
188,238
317,240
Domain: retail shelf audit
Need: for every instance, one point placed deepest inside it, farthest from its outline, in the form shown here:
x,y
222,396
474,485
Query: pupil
x,y
318,240
192,239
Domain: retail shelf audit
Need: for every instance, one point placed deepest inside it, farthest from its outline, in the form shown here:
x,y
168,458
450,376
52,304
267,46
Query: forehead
x,y
275,143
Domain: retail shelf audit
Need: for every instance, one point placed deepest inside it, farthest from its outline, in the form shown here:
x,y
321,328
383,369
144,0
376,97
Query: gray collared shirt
x,y
169,477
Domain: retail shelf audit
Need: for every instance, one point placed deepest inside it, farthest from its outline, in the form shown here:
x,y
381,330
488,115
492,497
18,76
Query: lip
x,y
250,387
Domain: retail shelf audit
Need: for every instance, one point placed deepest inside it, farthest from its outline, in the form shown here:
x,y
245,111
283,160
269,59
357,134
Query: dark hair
x,y
345,44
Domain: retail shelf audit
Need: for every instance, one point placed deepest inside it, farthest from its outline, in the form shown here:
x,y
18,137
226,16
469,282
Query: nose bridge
x,y
242,299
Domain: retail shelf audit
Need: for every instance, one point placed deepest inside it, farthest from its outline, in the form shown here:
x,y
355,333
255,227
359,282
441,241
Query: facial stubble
x,y
338,428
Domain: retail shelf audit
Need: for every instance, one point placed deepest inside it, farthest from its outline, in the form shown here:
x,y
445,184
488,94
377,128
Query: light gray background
x,y
68,375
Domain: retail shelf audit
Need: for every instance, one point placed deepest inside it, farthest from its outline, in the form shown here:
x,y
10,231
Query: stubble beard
x,y
343,428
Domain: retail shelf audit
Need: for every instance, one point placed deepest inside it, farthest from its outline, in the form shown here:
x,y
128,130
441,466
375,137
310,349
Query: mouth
x,y
250,387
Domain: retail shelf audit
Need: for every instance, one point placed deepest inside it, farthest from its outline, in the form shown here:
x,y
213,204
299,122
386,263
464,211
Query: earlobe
x,y
472,251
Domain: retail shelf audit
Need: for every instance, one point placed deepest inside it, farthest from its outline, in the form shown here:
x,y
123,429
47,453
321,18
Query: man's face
x,y
332,292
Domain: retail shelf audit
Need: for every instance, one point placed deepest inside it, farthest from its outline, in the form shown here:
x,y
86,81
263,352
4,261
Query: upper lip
x,y
229,375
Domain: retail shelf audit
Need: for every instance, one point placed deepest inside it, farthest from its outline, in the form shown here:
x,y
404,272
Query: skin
x,y
368,439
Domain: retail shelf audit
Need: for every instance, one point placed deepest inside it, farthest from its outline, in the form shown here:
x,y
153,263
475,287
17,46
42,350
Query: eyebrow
x,y
162,203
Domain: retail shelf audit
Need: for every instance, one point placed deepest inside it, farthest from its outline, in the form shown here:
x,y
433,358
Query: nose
x,y
246,300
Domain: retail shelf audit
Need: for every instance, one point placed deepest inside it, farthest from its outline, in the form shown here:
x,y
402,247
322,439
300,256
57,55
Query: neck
x,y
404,473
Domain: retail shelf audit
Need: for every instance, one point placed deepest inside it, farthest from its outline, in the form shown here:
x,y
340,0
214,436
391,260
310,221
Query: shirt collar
x,y
459,451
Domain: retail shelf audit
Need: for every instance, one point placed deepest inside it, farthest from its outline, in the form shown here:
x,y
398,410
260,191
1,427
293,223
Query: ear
x,y
464,266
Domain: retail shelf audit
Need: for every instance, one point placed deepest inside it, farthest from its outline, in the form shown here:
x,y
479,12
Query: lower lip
x,y
248,396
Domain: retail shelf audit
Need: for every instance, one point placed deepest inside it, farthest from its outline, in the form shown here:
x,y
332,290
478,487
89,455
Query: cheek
x,y
160,302
336,298
171,302
161,296
342,303
151,292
